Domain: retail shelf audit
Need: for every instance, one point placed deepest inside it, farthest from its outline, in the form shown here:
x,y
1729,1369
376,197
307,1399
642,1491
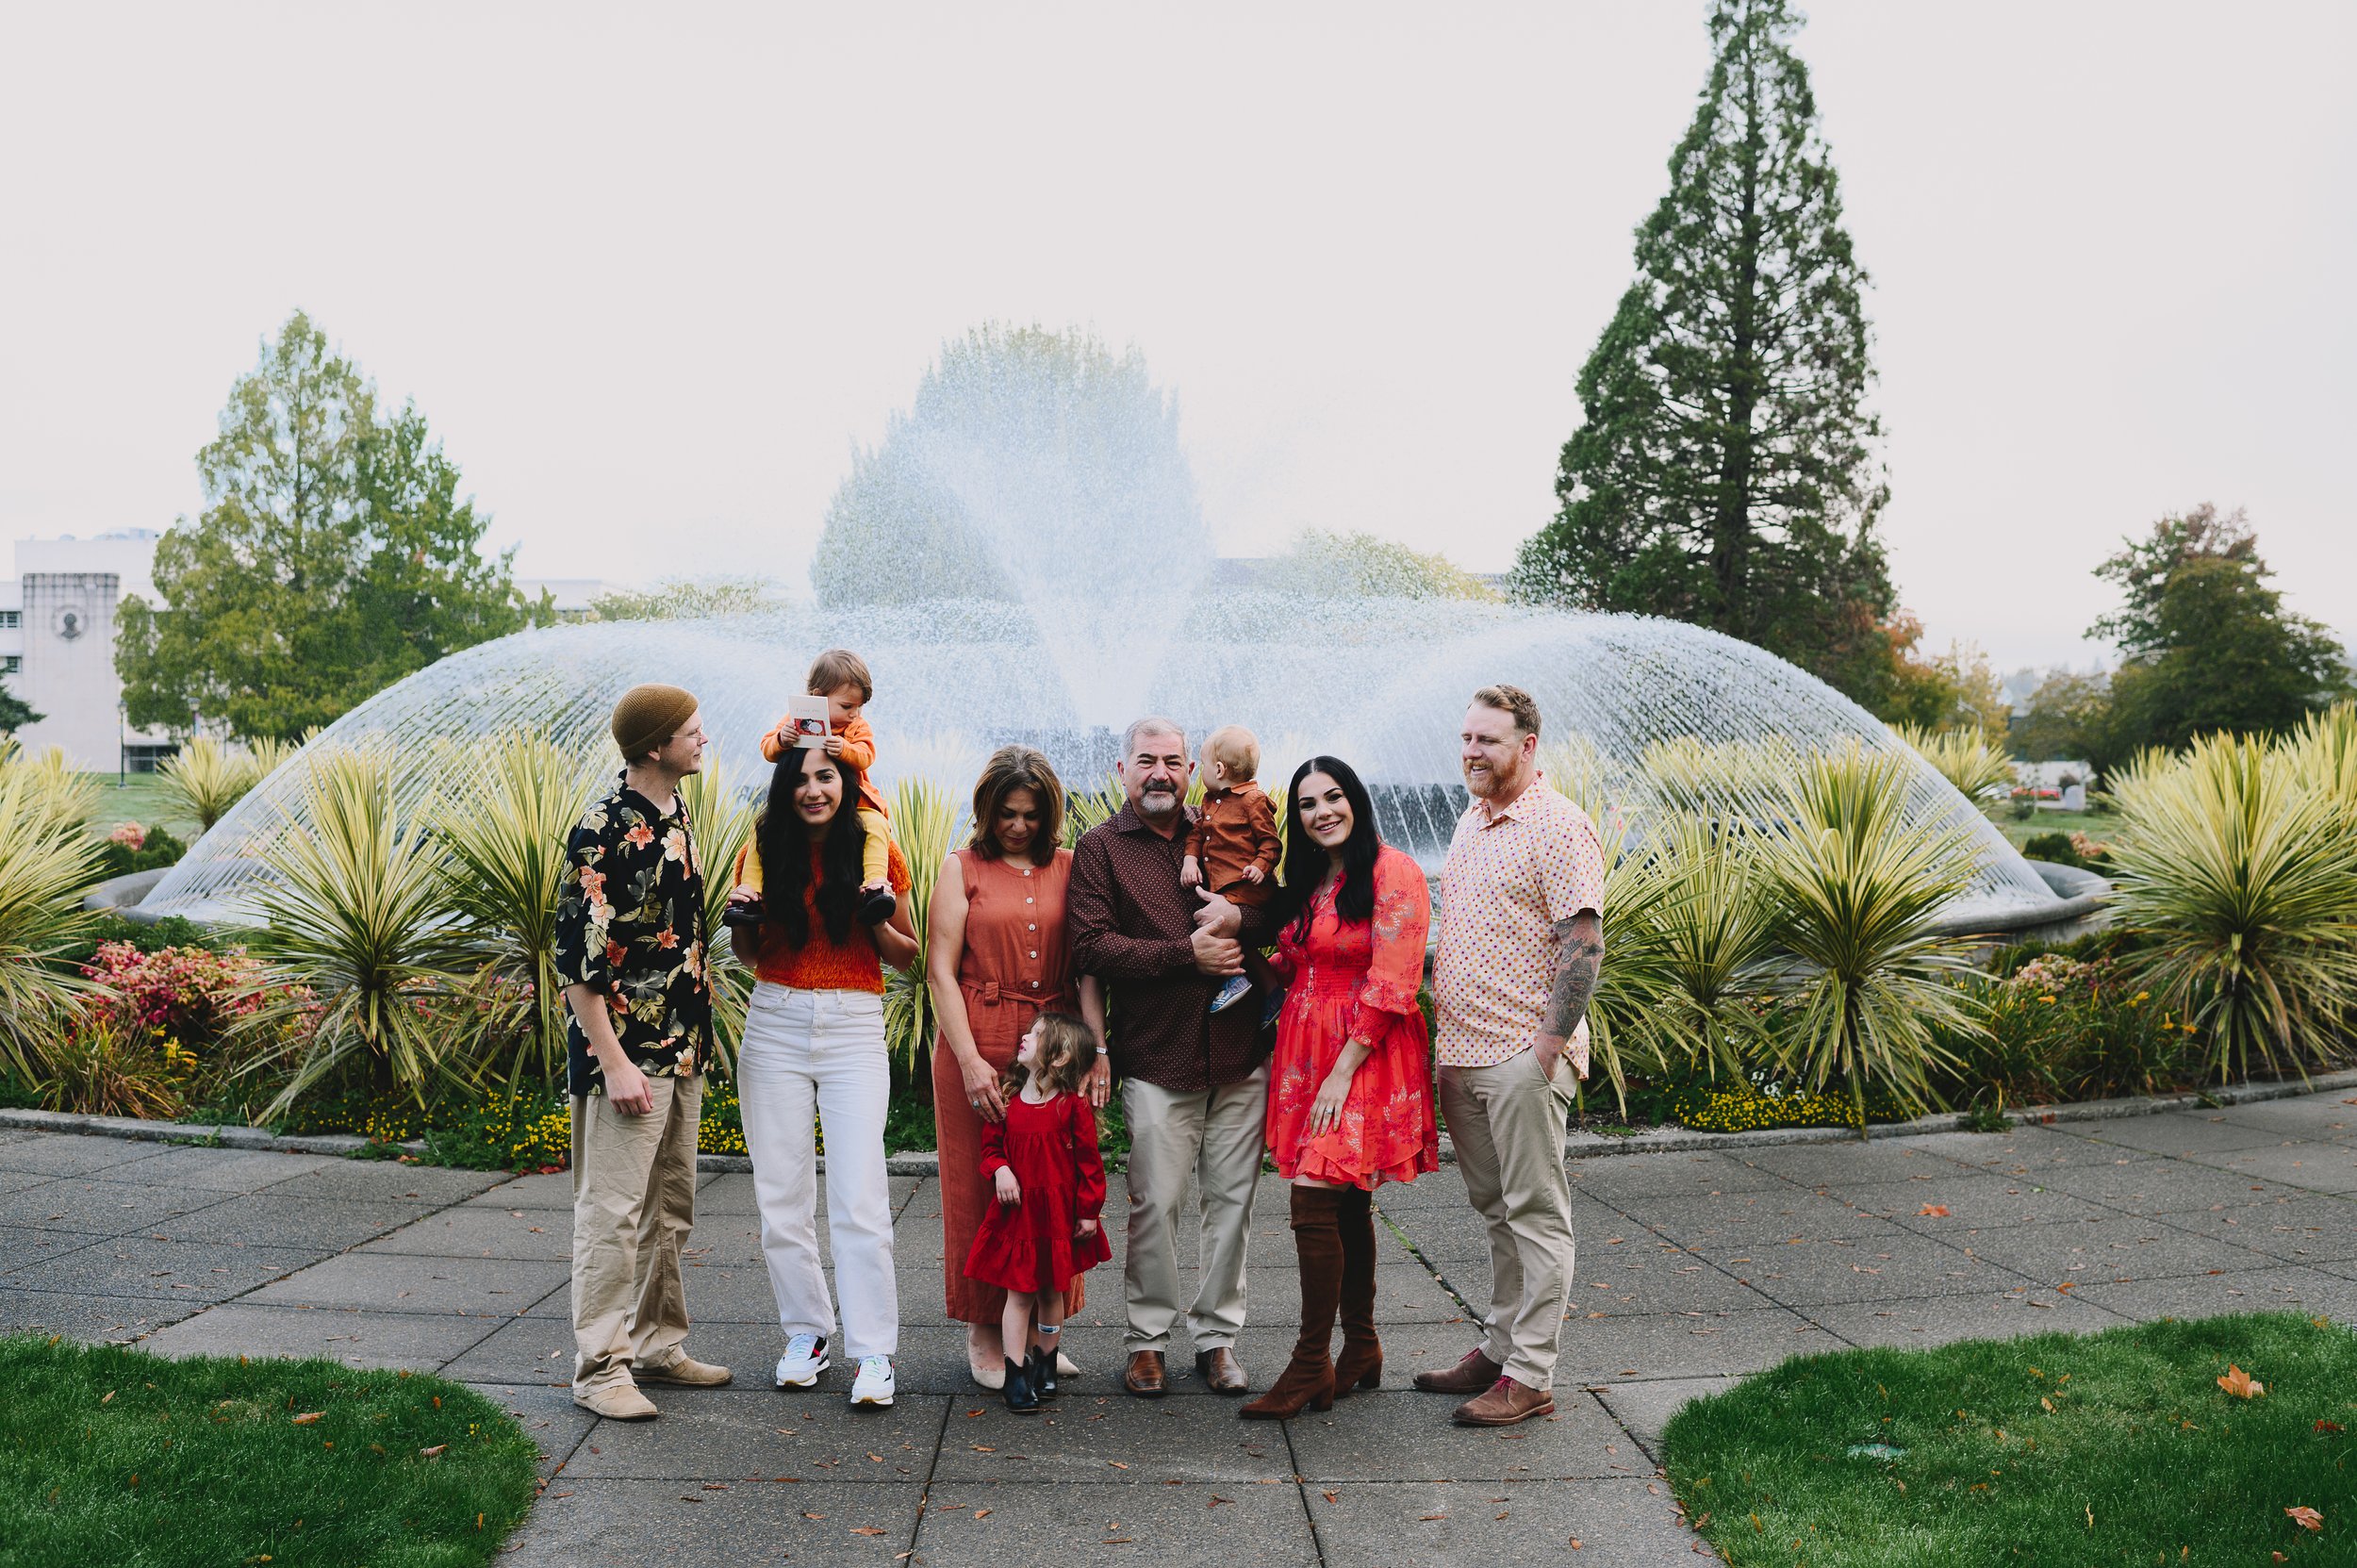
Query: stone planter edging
x,y
1578,1146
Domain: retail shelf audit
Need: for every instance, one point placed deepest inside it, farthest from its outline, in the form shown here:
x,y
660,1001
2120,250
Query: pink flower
x,y
130,836
639,836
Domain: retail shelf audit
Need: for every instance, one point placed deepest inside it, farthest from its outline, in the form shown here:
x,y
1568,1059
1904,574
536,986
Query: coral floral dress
x,y
1356,980
1034,1244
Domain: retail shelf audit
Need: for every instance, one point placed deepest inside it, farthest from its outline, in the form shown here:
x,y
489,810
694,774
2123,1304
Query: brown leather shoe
x,y
1220,1371
1507,1403
1144,1375
1471,1375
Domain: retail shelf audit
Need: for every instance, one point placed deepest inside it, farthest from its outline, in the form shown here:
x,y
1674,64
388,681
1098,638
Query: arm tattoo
x,y
1575,969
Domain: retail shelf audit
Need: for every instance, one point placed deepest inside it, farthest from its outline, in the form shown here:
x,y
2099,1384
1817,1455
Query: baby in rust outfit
x,y
1233,846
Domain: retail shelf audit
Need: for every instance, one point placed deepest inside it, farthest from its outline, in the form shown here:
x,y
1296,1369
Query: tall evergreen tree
x,y
336,556
15,712
1725,473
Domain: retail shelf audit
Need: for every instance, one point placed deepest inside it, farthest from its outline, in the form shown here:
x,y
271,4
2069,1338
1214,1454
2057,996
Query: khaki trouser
x,y
1506,1123
633,1203
1217,1135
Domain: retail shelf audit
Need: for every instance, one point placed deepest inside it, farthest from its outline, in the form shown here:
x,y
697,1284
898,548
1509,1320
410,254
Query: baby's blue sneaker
x,y
1237,988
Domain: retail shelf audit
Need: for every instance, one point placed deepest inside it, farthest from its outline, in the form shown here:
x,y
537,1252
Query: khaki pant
x,y
633,1203
1216,1135
1506,1123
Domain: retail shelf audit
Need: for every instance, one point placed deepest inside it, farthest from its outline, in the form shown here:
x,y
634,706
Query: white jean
x,y
821,1055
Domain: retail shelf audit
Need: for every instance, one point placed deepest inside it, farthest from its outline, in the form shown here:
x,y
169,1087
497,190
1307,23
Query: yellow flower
x,y
2046,999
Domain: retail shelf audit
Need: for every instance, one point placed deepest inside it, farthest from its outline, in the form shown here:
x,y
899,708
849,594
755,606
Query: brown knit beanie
x,y
646,717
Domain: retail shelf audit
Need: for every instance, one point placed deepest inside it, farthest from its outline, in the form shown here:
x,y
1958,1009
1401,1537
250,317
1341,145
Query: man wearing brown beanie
x,y
630,952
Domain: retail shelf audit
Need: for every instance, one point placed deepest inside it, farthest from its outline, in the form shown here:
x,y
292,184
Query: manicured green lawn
x,y
2098,825
139,800
112,1456
2118,1448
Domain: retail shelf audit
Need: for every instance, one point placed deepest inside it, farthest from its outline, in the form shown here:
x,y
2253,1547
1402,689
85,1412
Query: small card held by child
x,y
808,712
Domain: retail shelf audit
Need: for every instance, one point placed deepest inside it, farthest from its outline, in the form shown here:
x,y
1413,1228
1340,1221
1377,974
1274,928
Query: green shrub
x,y
2054,847
159,849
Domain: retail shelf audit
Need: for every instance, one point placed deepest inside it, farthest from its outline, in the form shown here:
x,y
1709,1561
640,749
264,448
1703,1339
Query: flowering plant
x,y
131,835
178,991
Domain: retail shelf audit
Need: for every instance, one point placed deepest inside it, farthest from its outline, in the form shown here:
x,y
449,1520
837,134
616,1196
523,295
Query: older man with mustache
x,y
1194,1083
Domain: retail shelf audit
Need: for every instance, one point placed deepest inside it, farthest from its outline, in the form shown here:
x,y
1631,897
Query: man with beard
x,y
1521,943
1194,1083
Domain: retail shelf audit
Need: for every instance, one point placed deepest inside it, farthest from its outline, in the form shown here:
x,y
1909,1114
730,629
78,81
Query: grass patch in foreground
x,y
109,1455
2118,1448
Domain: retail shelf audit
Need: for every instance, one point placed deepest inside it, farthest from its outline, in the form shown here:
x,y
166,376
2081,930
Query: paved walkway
x,y
1693,1269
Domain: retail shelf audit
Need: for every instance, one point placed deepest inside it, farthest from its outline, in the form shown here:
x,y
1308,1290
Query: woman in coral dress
x,y
996,961
1350,1084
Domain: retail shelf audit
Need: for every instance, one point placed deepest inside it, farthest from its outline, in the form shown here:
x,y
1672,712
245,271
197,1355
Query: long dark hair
x,y
784,844
1305,859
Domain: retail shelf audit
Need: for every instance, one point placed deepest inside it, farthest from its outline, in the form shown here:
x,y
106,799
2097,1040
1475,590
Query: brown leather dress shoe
x,y
1143,1375
1471,1375
1220,1371
1507,1403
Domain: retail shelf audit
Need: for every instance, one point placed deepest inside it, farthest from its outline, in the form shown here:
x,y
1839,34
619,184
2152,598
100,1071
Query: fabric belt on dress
x,y
990,994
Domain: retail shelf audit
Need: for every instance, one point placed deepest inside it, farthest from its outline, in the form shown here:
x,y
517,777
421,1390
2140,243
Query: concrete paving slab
x,y
2269,1290
2321,1118
2155,1186
539,1190
2302,1229
1869,1270
540,1351
264,1219
1846,1164
2023,1148
25,1246
224,1170
1109,1439
82,1316
731,1433
1623,1179
2127,1248
1408,1436
416,1341
73,1154
721,1524
493,1287
1788,1210
1644,1407
1975,1203
198,1272
2182,1133
388,1181
1017,1526
468,1231
103,1208
548,1416
1397,1525
17,1180
2315,1168
1607,1350
1443,1237
1621,1284
1943,1319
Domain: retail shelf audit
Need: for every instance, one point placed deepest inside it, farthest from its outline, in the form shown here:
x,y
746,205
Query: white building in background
x,y
57,645
57,641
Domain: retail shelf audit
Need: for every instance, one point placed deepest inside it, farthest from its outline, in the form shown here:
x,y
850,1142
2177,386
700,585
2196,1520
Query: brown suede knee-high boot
x,y
1309,1378
1360,1363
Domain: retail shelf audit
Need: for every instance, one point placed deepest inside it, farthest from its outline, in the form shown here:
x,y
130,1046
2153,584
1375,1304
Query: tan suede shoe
x,y
1471,1375
1507,1403
620,1401
685,1371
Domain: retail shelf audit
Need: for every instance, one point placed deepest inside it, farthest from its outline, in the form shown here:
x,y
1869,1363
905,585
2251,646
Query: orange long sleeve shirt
x,y
859,751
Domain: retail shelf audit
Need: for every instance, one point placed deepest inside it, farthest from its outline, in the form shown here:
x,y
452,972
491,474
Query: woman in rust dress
x,y
997,958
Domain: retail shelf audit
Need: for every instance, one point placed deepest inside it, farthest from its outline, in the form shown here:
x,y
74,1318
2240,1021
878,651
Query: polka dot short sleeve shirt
x,y
1511,876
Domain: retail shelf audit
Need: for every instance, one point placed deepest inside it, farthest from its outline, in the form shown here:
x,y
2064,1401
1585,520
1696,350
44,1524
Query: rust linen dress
x,y
1356,980
1015,964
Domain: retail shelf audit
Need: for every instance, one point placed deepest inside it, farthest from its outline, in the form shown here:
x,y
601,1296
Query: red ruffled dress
x,y
1034,1244
1356,980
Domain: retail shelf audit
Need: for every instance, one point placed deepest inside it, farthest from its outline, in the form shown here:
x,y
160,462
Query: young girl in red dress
x,y
1050,1178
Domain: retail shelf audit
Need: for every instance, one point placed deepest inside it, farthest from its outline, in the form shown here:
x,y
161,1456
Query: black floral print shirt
x,y
630,923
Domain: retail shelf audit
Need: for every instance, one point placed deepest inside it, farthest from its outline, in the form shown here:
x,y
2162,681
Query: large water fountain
x,y
1023,560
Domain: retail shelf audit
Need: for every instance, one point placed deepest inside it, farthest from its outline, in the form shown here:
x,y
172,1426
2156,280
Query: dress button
x,y
1030,928
1035,985
1035,954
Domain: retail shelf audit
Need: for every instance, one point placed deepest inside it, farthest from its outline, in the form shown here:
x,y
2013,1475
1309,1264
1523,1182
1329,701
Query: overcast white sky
x,y
652,273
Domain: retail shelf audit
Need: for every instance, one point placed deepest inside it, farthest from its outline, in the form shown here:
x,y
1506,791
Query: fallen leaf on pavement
x,y
1937,1210
865,1530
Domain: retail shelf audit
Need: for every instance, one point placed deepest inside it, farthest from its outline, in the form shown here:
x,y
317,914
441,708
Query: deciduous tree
x,y
333,556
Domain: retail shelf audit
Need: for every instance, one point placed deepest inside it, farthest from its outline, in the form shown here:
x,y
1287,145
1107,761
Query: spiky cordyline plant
x,y
2245,874
55,791
2323,753
1857,892
503,824
46,861
362,951
1963,756
205,779
724,825
925,822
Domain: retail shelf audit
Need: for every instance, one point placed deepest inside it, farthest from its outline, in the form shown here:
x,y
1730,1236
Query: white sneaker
x,y
805,1358
873,1386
